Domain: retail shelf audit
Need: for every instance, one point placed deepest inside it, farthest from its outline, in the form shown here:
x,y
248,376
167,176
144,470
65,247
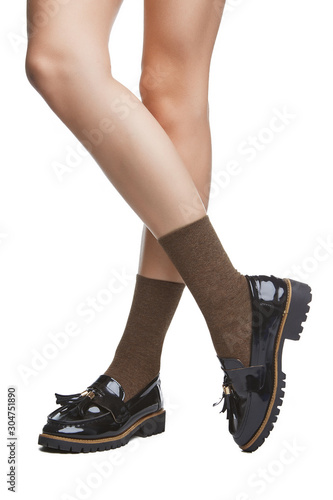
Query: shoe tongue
x,y
109,384
230,363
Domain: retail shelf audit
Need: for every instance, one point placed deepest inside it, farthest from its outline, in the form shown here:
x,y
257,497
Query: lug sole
x,y
147,426
297,307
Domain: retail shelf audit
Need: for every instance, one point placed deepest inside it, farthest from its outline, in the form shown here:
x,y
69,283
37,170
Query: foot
x,y
253,394
98,419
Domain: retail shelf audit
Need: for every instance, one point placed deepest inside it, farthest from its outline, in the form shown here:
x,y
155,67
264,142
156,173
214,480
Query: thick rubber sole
x,y
297,307
147,426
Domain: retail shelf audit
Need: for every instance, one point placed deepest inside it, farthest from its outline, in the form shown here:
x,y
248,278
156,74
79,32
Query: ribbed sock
x,y
221,292
137,358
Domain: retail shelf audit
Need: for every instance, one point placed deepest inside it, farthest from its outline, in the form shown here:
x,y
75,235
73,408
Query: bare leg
x,y
174,87
68,63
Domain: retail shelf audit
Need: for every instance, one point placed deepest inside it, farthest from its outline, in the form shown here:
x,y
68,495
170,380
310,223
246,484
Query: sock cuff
x,y
157,283
198,224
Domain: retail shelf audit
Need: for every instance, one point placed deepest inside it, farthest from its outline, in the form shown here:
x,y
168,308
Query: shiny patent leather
x,y
100,411
248,391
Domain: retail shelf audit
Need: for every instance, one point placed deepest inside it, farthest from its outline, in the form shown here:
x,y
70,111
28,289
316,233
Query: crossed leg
x,y
161,171
179,38
68,63
157,153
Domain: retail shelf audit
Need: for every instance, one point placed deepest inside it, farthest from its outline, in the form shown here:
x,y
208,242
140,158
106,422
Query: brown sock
x,y
221,292
137,358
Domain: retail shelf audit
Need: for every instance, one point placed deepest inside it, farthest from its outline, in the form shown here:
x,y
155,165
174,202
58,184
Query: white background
x,y
62,240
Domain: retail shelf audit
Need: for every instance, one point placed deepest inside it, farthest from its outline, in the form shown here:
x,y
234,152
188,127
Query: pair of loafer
x,y
99,418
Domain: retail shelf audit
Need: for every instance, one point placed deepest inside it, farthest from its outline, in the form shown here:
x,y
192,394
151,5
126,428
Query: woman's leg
x,y
68,63
179,37
174,87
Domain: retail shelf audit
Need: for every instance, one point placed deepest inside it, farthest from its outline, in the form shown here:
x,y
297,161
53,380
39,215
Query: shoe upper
x,y
101,411
247,390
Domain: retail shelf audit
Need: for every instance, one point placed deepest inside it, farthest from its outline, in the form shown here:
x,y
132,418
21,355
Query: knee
x,y
54,69
176,96
46,70
39,68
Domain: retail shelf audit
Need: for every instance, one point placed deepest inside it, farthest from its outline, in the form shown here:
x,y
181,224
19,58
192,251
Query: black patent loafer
x,y
98,418
252,395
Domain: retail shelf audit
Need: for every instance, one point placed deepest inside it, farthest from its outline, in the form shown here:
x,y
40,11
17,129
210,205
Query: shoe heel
x,y
152,426
298,309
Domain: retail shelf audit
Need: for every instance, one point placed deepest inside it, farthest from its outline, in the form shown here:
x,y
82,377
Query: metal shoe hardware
x,y
90,394
226,389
